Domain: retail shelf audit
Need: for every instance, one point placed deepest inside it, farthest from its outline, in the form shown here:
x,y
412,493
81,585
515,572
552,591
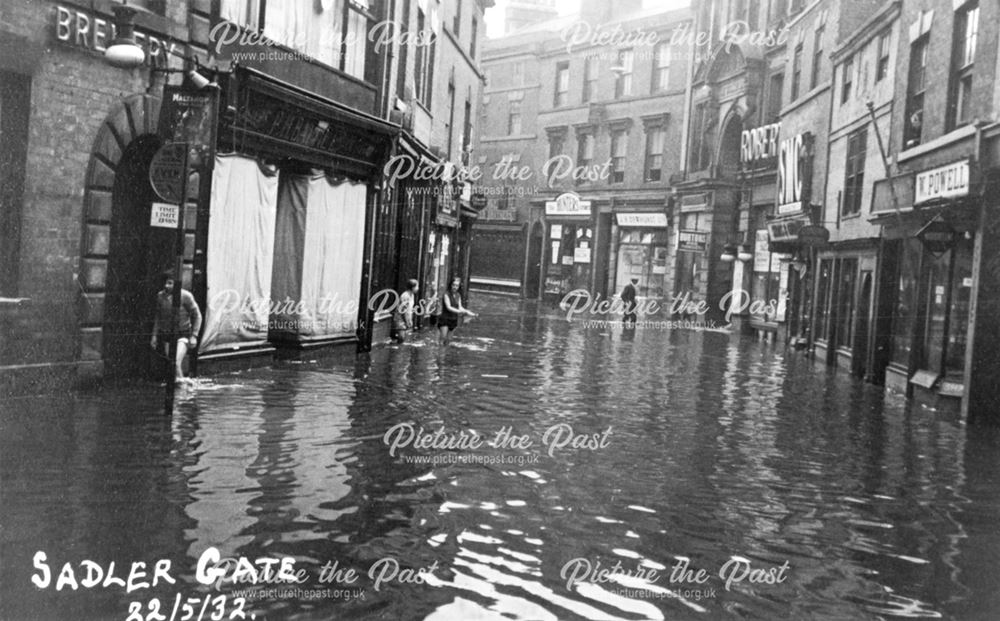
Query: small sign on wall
x,y
164,215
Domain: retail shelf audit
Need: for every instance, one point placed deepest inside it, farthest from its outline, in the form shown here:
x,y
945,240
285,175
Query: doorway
x,y
533,281
137,254
860,356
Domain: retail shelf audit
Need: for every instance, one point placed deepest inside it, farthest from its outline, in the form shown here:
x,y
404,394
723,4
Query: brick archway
x,y
133,117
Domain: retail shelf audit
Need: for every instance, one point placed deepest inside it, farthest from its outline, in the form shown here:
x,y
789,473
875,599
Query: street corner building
x,y
250,140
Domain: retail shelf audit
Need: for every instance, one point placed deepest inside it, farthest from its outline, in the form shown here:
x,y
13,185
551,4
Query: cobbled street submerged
x,y
723,455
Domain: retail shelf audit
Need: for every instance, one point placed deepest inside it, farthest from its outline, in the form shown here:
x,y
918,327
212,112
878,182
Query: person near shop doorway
x,y
451,311
628,304
184,332
402,318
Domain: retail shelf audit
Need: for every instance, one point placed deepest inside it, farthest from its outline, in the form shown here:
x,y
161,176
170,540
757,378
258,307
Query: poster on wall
x,y
762,251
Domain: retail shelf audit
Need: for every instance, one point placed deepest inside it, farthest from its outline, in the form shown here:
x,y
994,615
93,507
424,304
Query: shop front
x,y
570,252
641,250
291,207
930,254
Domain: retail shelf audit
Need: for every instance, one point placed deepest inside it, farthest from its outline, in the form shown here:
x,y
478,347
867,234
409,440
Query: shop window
x,y
854,179
935,310
654,153
817,57
589,78
958,311
687,266
915,88
623,74
562,85
642,255
823,299
905,312
847,275
15,109
963,57
661,67
796,71
882,68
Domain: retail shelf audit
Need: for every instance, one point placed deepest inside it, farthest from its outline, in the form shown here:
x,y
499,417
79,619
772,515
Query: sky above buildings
x,y
494,16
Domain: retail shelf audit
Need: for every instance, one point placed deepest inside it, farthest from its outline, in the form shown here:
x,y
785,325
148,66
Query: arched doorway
x,y
533,278
137,253
120,254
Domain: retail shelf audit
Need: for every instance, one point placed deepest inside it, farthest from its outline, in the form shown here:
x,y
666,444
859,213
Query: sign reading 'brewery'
x,y
794,173
949,181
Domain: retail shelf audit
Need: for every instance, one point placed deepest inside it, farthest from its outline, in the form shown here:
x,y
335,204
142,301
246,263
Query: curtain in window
x,y
318,258
240,251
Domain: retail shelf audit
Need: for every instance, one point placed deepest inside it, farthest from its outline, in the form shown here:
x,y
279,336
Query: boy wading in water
x,y
186,330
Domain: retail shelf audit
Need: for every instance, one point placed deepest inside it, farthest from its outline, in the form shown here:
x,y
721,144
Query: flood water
x,y
723,453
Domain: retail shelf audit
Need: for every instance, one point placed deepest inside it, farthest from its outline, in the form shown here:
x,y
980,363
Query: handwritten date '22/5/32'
x,y
216,608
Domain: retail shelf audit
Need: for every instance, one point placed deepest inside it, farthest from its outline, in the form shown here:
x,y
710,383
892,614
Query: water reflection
x,y
721,451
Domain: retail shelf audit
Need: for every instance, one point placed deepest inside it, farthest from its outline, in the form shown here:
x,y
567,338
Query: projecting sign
x,y
642,219
164,215
759,143
794,173
945,182
167,170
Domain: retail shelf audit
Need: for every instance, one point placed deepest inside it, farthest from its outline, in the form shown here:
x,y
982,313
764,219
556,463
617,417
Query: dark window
x,y
584,151
474,40
15,109
854,177
404,26
915,89
562,85
882,69
456,25
753,18
963,57
796,71
847,274
619,151
661,67
847,80
774,92
589,78
817,57
467,133
699,157
424,72
623,74
557,143
654,153
514,118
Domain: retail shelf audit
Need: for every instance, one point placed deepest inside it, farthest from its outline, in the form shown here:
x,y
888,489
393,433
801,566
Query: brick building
x,y
597,128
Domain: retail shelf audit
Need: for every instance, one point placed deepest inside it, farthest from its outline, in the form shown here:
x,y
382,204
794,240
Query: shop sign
x,y
786,231
478,202
694,202
937,236
642,219
949,181
581,255
692,241
164,215
88,31
567,204
167,170
794,173
762,251
188,116
759,143
813,235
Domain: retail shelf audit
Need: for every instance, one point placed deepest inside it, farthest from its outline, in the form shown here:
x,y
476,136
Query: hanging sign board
x,y
949,181
167,170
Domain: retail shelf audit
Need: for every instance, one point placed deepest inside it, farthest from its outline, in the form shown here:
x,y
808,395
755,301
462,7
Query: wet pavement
x,y
797,491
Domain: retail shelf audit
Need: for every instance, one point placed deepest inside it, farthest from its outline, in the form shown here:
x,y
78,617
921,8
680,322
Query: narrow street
x,y
703,446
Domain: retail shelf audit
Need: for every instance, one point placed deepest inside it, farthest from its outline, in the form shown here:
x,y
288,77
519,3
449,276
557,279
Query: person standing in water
x,y
402,318
451,311
184,332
